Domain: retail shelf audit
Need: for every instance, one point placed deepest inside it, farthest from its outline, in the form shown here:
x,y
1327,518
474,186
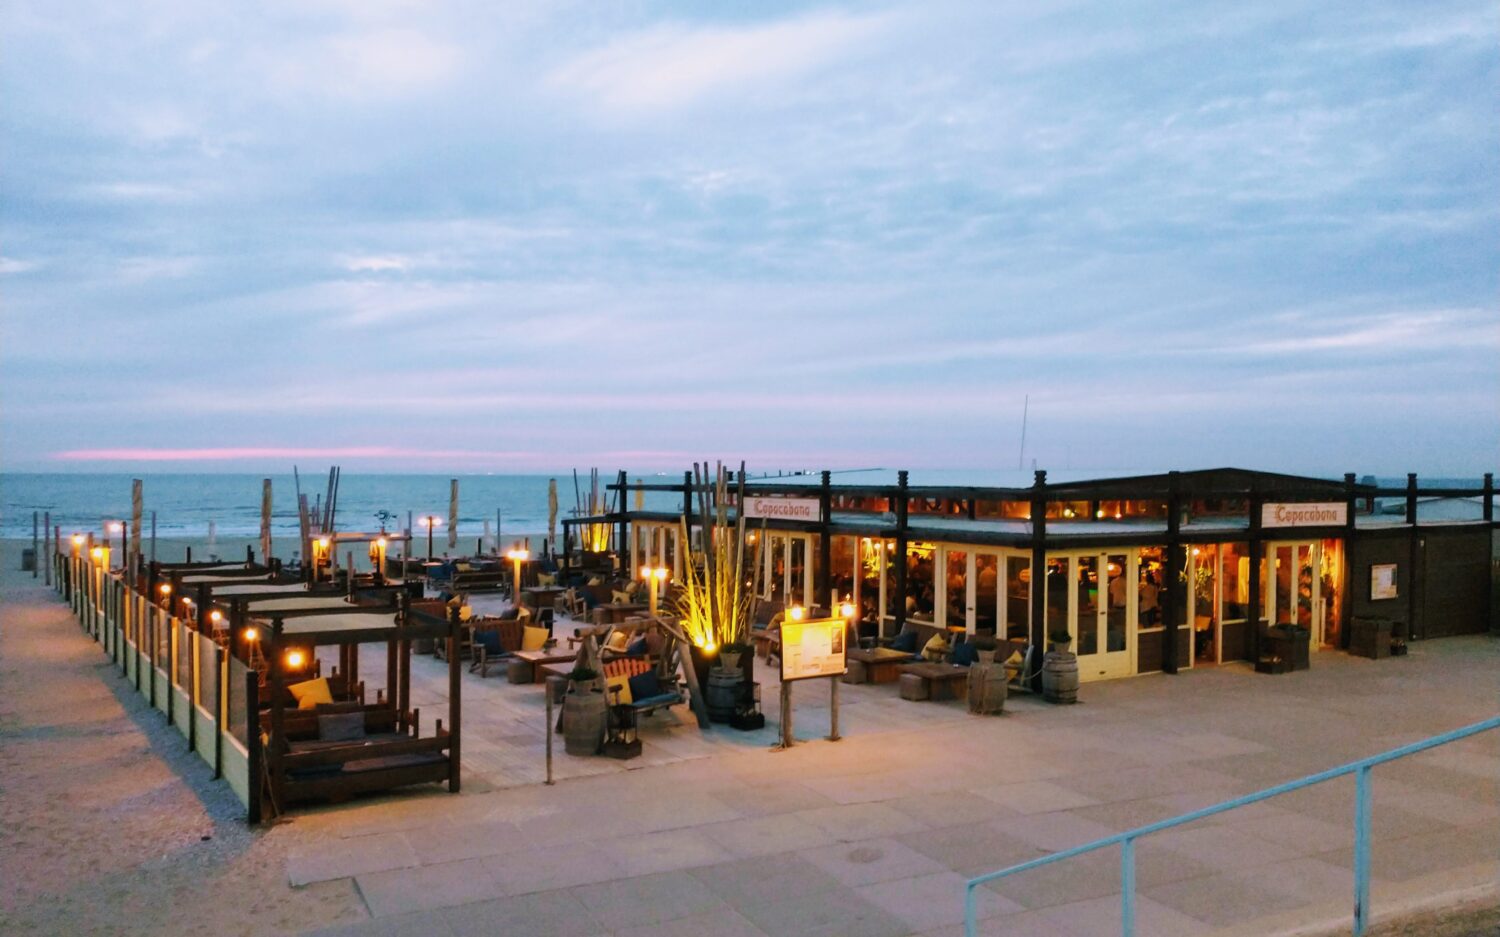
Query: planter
x,y
1060,675
722,693
584,716
705,661
1289,643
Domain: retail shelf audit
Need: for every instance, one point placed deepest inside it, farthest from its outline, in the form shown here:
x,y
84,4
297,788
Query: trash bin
x,y
28,560
1370,637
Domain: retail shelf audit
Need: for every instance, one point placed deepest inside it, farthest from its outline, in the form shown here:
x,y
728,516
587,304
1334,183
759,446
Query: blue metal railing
x,y
1126,841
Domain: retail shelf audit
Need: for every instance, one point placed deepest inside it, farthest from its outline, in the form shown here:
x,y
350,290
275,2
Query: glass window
x,y
1018,597
1088,604
1057,597
1118,595
921,568
1236,586
1148,588
956,588
986,592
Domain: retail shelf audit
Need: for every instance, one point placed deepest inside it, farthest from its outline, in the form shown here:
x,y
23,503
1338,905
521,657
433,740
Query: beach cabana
x,y
317,747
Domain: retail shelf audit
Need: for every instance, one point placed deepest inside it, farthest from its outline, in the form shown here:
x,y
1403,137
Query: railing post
x,y
969,907
1361,849
1127,887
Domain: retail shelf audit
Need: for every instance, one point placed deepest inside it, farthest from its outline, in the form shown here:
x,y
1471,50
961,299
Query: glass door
x,y
1293,590
1082,597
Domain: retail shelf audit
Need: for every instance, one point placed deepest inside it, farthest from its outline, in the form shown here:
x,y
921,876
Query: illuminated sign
x,y
813,648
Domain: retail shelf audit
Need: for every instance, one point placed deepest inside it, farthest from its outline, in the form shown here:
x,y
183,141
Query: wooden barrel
x,y
987,685
1060,677
583,722
722,693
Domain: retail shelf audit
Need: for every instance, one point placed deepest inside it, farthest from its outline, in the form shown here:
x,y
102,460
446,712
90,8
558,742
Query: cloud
x,y
366,66
389,263
671,66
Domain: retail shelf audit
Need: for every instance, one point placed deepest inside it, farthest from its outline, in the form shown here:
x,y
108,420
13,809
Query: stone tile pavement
x,y
875,834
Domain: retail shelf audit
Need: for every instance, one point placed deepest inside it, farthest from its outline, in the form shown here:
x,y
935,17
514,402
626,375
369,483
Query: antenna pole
x,y
1025,411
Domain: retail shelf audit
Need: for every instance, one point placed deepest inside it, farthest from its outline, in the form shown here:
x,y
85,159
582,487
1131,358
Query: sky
x,y
469,236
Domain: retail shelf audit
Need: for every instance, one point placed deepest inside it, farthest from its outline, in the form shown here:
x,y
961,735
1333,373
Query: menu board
x,y
812,648
1383,581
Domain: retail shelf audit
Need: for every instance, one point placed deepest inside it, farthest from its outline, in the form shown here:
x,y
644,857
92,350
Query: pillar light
x,y
166,588
251,634
295,659
796,613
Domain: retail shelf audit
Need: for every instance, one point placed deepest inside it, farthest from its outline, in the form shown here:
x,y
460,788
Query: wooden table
x,y
882,664
615,612
944,681
545,656
541,596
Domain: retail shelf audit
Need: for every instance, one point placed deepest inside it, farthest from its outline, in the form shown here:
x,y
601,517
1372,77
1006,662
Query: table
x,y
541,596
533,658
882,664
615,612
943,680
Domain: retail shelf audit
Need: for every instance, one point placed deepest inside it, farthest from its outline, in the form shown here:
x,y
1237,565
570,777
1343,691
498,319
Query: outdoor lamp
x,y
847,610
516,557
97,553
215,616
166,588
653,589
796,613
430,521
294,659
251,634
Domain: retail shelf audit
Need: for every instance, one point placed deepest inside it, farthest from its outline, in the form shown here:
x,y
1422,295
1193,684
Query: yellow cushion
x,y
1015,659
596,581
310,693
620,598
617,641
935,649
533,639
546,579
623,683
465,613
464,567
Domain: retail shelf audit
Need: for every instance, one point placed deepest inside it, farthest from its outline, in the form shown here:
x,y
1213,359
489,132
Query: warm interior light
x,y
520,556
796,613
97,553
323,542
1117,515
294,659
1196,551
78,540
1099,513
216,616
251,634
166,588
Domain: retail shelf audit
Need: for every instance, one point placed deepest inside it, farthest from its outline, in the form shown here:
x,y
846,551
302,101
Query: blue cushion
x,y
906,642
660,699
965,653
645,685
636,648
489,640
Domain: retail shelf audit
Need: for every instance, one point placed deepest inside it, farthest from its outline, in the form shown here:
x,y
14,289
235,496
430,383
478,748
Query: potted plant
x,y
1060,669
583,677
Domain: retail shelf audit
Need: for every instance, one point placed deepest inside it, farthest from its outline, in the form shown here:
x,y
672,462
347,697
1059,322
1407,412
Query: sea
x,y
185,504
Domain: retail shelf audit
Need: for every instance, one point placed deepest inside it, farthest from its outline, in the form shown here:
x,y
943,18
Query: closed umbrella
x,y
640,497
452,513
551,512
134,552
265,521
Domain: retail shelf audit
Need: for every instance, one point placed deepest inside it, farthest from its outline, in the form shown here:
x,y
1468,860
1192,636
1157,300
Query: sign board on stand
x,y
811,650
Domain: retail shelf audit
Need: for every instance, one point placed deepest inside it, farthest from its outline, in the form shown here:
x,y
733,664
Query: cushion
x,y
617,641
310,693
1015,660
348,706
489,639
905,642
546,579
637,647
965,653
645,685
935,649
465,612
341,727
620,598
621,682
596,580
464,567
533,639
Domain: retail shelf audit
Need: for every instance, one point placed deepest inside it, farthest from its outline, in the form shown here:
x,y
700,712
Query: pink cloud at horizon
x,y
144,454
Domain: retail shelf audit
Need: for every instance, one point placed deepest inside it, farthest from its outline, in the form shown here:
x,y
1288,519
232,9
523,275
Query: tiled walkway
x,y
873,835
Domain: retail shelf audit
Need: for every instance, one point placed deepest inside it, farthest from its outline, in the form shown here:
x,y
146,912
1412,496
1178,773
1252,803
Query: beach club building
x,y
1150,573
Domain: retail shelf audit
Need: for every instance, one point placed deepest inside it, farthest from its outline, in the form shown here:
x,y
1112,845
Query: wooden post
x,y
833,709
36,560
902,507
1174,596
786,714
1413,552
277,687
46,530
252,738
1257,561
1351,502
1038,575
825,544
455,709
221,707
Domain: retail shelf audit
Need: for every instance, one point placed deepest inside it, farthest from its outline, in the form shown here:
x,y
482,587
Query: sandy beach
x,y
109,826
